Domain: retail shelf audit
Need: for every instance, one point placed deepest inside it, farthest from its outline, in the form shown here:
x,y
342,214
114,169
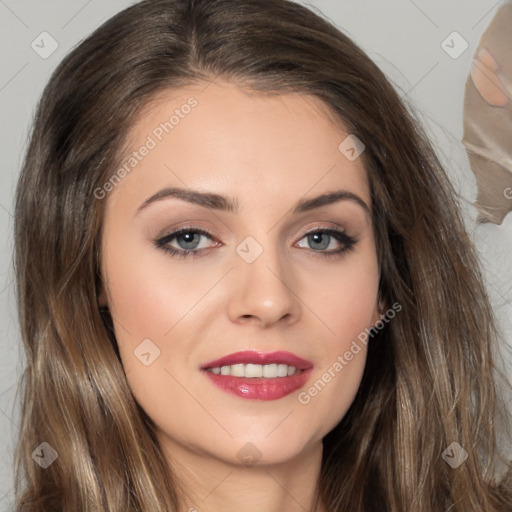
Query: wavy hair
x,y
431,377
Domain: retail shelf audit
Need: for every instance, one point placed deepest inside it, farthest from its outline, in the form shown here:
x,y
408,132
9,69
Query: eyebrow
x,y
223,203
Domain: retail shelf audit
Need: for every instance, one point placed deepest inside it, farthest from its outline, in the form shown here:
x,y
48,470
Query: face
x,y
239,266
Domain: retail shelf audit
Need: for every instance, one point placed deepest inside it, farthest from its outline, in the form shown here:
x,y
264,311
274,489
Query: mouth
x,y
257,375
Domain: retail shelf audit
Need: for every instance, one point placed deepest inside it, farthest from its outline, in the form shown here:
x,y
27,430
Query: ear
x,y
380,308
102,297
102,294
103,302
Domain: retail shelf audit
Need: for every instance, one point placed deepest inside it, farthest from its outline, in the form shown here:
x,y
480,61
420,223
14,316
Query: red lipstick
x,y
253,357
259,388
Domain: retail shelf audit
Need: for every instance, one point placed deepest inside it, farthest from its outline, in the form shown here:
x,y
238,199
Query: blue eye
x,y
321,239
189,241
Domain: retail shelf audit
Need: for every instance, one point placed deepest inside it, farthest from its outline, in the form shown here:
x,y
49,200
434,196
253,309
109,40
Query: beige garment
x,y
488,118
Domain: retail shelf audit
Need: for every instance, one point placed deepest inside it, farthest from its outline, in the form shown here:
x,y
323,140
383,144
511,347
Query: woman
x,y
243,280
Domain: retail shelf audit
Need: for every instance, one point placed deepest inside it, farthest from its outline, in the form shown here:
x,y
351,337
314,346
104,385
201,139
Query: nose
x,y
264,292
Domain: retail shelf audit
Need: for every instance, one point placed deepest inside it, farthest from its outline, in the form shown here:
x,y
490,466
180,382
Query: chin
x,y
263,449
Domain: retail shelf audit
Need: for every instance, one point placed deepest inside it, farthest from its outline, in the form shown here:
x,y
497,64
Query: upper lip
x,y
255,357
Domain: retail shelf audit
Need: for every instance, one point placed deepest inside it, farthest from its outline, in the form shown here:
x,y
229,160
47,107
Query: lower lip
x,y
260,388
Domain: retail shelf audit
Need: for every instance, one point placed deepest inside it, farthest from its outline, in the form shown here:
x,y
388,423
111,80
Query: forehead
x,y
223,137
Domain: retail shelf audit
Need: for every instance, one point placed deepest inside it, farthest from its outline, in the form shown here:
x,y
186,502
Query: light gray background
x,y
402,36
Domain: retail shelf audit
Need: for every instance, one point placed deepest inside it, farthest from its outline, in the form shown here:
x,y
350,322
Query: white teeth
x,y
237,370
267,371
253,370
270,371
282,370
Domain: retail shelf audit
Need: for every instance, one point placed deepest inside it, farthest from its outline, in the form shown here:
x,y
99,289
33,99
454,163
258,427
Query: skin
x,y
269,153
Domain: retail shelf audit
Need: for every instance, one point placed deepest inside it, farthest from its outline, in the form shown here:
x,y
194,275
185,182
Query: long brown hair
x,y
430,378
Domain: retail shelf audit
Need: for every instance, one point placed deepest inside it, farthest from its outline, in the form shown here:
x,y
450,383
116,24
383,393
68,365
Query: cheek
x,y
346,309
343,295
152,305
150,294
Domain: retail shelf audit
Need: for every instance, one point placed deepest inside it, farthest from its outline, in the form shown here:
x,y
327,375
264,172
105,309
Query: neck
x,y
207,483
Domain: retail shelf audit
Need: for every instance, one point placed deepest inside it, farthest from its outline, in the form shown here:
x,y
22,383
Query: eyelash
x,y
348,242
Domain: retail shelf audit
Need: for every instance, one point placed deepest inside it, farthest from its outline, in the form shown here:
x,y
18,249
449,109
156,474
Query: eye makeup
x,y
191,235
